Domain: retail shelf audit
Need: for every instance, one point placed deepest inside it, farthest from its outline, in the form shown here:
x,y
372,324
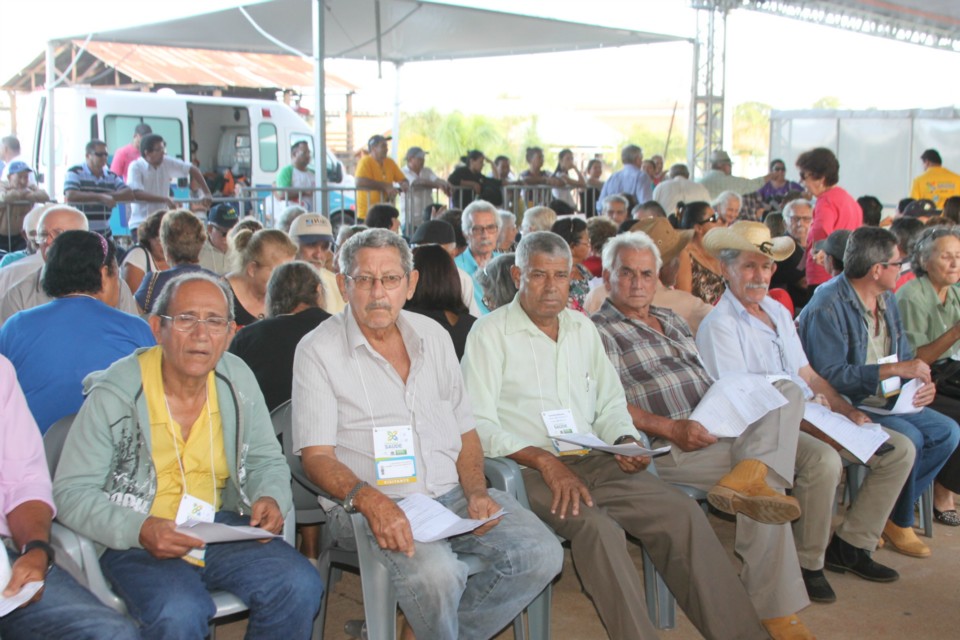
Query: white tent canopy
x,y
397,31
411,31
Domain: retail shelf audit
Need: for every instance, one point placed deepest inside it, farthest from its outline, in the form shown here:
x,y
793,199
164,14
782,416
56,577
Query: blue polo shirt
x,y
80,178
55,346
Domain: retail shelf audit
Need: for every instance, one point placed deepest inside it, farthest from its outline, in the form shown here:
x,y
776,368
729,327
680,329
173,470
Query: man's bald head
x,y
55,221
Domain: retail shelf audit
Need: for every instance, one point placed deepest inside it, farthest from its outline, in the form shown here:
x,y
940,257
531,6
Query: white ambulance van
x,y
247,136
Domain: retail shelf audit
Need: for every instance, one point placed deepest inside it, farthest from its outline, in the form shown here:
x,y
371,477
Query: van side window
x,y
269,154
118,132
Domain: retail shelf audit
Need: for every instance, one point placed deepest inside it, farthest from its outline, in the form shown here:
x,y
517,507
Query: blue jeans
x,y
65,610
439,600
170,599
935,436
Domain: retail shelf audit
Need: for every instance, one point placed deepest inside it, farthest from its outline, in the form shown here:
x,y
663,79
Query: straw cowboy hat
x,y
669,241
748,236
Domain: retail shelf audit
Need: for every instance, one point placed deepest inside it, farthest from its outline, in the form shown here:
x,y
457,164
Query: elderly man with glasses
x,y
853,335
180,432
94,189
481,225
380,413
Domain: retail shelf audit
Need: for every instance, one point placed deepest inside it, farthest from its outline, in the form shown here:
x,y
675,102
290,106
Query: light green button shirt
x,y
924,318
513,372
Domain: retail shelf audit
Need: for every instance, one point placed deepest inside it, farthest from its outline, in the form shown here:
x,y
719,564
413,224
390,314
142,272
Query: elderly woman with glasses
x,y
930,308
854,337
699,272
834,208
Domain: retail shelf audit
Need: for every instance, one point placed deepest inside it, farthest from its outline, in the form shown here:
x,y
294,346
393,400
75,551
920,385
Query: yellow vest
x,y
937,184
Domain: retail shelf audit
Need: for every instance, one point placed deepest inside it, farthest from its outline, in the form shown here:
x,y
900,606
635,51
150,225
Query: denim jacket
x,y
834,336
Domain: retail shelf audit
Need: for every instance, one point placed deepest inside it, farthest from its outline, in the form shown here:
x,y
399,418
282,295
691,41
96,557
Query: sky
x,y
784,63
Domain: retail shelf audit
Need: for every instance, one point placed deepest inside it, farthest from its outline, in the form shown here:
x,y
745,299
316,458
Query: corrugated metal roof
x,y
171,65
148,65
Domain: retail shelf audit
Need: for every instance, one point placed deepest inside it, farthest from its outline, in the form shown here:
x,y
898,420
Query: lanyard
x,y
536,366
176,447
373,420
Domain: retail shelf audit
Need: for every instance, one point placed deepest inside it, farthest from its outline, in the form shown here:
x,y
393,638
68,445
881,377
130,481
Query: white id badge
x,y
394,454
891,386
559,422
193,508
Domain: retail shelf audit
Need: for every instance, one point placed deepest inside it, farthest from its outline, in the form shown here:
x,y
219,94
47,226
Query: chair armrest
x,y
504,474
79,551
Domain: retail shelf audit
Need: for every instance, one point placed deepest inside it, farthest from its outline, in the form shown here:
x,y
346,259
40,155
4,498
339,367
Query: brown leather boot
x,y
787,628
745,490
904,540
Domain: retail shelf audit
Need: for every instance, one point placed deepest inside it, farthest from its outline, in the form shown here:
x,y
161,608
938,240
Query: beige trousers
x,y
770,570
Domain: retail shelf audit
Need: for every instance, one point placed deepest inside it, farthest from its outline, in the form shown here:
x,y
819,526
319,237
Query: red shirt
x,y
122,159
594,266
834,209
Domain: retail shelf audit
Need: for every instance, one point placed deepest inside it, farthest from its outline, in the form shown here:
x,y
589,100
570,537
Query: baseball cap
x,y
377,139
222,215
720,156
415,152
310,228
916,209
18,166
834,244
434,232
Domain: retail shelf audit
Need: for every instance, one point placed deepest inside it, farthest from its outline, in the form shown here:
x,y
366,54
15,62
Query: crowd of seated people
x,y
486,333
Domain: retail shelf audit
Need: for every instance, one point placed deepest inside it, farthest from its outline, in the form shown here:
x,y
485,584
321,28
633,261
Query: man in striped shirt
x,y
94,189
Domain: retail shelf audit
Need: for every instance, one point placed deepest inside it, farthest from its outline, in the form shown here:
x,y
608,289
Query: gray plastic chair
x,y
379,596
80,557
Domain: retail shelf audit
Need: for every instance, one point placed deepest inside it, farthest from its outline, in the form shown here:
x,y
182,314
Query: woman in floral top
x,y
574,231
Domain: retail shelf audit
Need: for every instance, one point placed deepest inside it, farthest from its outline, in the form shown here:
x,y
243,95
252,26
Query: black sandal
x,y
949,517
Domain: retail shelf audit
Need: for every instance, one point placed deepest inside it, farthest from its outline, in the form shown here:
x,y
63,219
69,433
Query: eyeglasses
x,y
479,231
187,322
896,264
714,218
779,168
365,283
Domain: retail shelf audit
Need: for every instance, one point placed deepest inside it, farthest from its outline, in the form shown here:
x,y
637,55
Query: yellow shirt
x,y
937,184
370,168
195,452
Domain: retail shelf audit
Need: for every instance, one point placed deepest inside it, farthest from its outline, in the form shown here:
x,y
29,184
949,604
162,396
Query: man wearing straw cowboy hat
x,y
748,332
655,355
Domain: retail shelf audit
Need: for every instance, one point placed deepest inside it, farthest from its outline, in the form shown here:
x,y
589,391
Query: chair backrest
x,y
53,441
282,419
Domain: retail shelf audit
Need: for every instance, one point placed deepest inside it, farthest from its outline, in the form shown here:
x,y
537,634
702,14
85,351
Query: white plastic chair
x,y
83,563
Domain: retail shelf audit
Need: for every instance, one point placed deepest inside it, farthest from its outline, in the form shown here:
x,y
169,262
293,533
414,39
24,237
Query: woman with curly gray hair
x,y
930,309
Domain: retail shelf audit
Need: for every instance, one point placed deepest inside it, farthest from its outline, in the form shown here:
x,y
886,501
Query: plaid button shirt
x,y
661,373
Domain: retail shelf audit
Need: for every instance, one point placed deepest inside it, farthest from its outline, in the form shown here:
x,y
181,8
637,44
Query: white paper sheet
x,y
860,440
590,441
216,532
431,521
904,401
26,592
735,402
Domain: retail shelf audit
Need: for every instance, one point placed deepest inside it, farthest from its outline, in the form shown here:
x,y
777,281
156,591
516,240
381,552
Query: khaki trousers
x,y
672,529
819,468
770,573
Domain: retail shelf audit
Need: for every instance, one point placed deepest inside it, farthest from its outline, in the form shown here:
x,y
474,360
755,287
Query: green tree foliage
x,y
653,140
751,129
449,136
827,102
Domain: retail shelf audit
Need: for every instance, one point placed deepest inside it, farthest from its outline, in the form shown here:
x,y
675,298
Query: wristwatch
x,y
624,440
348,501
40,544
